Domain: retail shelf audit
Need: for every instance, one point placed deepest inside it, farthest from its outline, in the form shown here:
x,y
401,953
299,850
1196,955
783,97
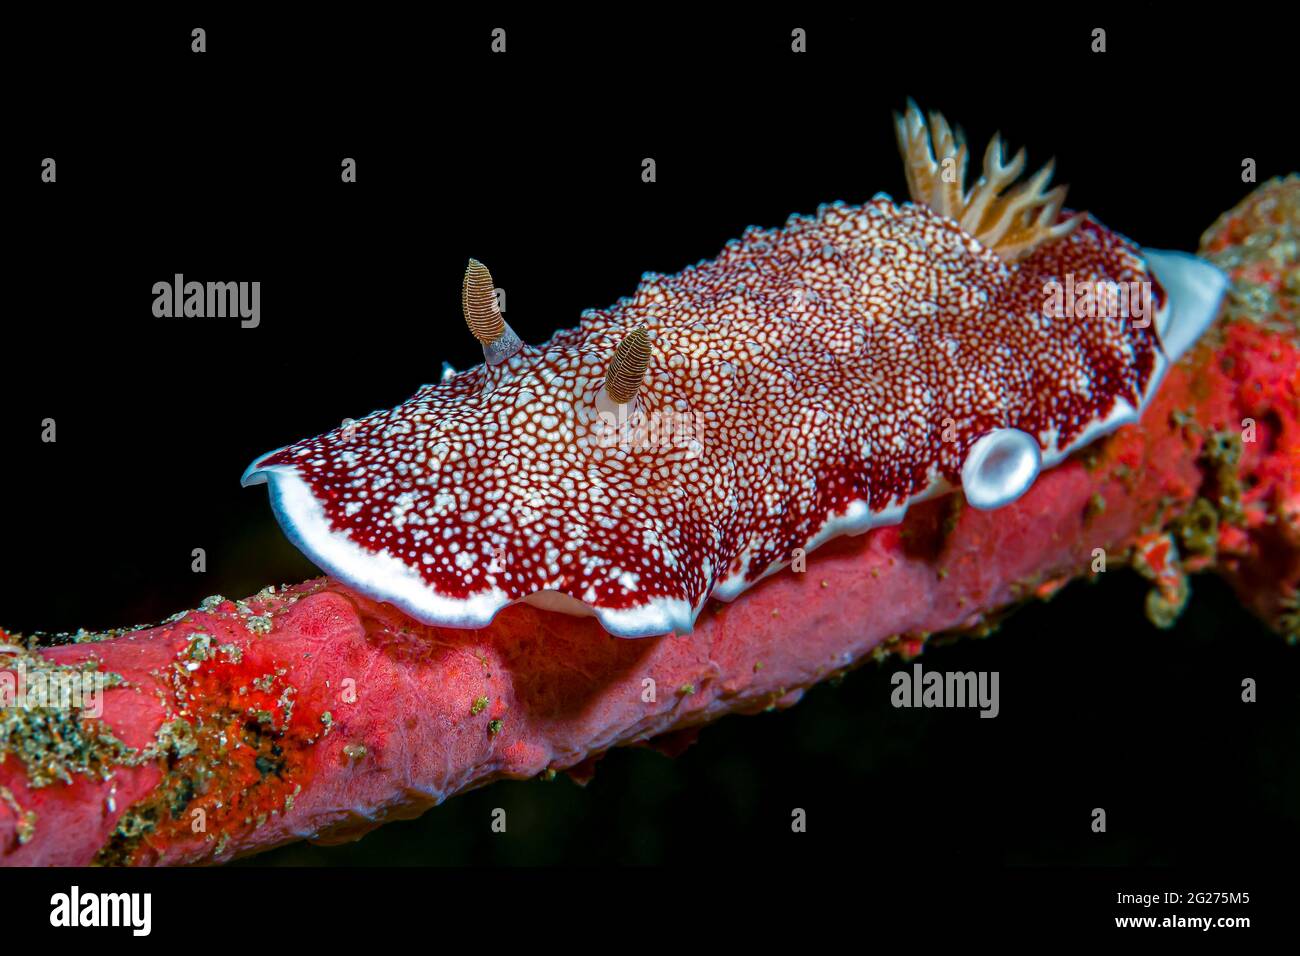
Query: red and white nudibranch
x,y
810,381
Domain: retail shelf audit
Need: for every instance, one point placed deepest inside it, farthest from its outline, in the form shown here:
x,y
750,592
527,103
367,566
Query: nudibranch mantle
x,y
810,381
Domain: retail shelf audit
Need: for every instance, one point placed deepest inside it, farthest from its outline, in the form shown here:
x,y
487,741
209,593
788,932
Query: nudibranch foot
x,y
811,381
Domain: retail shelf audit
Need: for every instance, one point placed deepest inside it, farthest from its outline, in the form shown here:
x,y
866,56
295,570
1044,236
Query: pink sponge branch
x,y
313,712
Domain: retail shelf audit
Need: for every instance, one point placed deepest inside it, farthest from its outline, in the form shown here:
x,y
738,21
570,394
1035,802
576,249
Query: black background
x,y
225,166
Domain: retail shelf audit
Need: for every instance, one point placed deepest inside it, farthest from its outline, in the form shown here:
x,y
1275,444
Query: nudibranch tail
x,y
1011,220
1195,288
812,381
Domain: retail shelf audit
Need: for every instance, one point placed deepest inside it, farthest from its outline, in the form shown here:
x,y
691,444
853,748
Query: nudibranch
x,y
811,381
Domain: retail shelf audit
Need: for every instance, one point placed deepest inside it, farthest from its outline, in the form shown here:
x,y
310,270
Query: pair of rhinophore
x,y
626,369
